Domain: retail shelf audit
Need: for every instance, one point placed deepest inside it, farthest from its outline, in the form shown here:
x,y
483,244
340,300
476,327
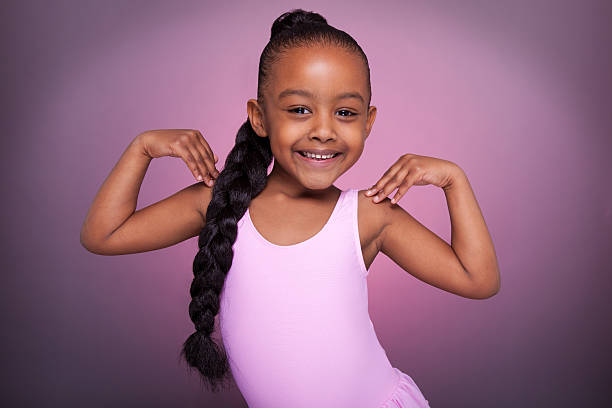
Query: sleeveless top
x,y
294,319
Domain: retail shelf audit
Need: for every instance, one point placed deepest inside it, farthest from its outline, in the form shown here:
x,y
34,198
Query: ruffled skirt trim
x,y
406,395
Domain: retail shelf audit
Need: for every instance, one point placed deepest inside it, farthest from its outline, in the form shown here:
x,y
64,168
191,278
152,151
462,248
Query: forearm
x,y
117,198
470,237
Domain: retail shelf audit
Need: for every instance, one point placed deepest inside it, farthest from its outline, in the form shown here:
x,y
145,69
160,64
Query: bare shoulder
x,y
392,217
201,194
373,217
193,199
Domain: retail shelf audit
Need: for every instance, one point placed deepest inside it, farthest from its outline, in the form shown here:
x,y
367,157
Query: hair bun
x,y
296,17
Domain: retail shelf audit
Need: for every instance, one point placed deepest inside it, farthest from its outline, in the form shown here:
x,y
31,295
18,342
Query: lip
x,y
318,163
319,151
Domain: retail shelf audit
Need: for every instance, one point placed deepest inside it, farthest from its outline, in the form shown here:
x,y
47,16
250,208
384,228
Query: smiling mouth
x,y
315,163
318,159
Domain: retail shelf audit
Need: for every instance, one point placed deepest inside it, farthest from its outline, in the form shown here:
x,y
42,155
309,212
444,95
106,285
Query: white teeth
x,y
318,156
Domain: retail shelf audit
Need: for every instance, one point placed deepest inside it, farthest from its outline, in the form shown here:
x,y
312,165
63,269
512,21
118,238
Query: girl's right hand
x,y
188,144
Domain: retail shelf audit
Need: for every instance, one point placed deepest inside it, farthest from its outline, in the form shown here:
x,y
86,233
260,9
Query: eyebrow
x,y
307,94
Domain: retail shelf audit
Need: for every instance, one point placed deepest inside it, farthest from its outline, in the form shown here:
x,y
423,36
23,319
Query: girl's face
x,y
316,99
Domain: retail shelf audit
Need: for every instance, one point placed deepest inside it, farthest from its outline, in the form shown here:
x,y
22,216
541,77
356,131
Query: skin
x,y
296,193
299,195
322,121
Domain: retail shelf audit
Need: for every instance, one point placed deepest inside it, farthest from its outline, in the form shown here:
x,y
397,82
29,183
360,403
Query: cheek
x,y
285,134
283,140
357,140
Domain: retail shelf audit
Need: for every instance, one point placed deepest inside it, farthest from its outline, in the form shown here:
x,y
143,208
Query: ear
x,y
256,117
370,120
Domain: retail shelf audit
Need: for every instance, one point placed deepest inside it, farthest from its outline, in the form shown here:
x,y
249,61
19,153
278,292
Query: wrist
x,y
456,175
138,146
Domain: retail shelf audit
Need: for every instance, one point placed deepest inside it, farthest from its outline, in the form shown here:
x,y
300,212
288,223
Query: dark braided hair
x,y
242,178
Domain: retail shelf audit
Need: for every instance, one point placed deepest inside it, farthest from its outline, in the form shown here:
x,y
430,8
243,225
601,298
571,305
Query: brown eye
x,y
347,111
298,108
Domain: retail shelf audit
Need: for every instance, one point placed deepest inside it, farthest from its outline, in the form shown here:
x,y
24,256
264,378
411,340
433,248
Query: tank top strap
x,y
353,204
342,210
341,220
344,230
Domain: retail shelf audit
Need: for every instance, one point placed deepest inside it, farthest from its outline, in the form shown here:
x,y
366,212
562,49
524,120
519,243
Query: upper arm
x,y
162,224
423,254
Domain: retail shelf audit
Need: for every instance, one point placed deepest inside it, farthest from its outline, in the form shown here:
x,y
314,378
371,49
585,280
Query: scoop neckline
x,y
325,226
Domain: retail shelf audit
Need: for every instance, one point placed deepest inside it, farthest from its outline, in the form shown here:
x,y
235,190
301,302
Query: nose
x,y
323,128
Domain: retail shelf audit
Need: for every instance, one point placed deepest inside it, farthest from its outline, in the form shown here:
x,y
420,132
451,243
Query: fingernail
x,y
199,177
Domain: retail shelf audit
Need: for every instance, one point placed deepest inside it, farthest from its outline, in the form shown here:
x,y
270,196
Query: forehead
x,y
323,71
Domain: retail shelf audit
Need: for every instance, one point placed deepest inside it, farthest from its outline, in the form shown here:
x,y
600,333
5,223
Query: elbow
x,y
85,243
90,245
85,240
488,293
95,249
487,289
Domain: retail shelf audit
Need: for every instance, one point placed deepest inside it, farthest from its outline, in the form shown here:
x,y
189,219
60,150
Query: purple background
x,y
517,93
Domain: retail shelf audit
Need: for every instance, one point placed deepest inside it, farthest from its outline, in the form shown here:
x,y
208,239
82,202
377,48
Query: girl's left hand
x,y
412,169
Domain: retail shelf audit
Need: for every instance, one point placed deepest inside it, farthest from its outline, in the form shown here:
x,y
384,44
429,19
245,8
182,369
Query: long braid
x,y
243,177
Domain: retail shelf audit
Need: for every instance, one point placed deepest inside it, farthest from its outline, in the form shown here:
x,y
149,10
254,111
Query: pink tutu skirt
x,y
406,395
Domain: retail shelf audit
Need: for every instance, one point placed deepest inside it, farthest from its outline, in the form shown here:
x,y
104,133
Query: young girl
x,y
283,258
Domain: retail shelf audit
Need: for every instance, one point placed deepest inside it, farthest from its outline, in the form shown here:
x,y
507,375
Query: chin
x,y
319,185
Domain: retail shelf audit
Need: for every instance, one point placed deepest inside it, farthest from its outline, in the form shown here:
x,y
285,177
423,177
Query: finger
x,y
383,180
203,170
203,142
380,186
394,181
408,182
205,159
185,154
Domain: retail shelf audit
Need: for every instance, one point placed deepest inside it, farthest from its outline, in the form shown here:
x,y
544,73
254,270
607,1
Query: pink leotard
x,y
295,324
